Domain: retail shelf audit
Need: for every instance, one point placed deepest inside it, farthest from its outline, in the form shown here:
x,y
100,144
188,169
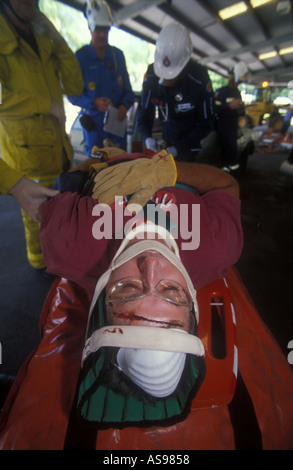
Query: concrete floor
x,y
265,265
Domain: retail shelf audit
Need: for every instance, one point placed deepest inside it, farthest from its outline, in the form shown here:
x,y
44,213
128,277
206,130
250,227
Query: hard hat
x,y
240,72
173,50
98,13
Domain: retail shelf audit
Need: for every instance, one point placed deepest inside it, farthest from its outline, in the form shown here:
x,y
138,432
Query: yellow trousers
x,y
32,234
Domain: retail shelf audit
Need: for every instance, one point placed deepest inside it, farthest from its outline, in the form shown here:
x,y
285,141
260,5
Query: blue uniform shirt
x,y
102,78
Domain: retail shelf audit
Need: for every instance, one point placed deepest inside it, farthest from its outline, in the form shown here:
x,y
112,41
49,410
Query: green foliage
x,y
72,25
138,55
70,22
217,80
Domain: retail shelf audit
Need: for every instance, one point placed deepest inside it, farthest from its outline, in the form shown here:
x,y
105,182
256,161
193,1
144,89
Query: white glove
x,y
44,26
173,151
151,144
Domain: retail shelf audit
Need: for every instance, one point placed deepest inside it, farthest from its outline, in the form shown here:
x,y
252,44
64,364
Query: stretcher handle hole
x,y
218,337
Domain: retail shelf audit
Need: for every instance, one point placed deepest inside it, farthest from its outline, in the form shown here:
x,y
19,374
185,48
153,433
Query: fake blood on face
x,y
131,316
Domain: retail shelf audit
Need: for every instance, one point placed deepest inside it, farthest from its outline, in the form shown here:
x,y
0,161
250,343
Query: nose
x,y
149,266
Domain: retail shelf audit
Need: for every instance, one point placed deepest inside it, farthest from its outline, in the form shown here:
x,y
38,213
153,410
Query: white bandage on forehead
x,y
125,254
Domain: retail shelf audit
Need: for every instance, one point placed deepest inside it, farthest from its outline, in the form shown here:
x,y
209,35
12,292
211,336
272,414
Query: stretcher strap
x,y
143,337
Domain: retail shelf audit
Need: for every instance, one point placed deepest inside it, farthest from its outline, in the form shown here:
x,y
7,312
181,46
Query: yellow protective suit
x,y
8,177
32,140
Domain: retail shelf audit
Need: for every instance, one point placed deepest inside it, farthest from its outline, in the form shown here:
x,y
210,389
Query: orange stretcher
x,y
245,401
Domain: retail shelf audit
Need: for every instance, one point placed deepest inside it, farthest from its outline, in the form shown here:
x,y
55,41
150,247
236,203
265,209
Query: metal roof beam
x,y
176,16
275,73
134,9
250,48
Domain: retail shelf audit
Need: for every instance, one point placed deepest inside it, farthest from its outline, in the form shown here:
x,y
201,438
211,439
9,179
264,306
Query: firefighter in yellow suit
x,y
36,68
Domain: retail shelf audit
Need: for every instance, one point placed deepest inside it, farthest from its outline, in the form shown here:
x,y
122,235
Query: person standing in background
x,y
181,90
229,106
34,61
106,80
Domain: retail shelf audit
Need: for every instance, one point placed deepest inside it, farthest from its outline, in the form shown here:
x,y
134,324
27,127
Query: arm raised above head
x,y
206,178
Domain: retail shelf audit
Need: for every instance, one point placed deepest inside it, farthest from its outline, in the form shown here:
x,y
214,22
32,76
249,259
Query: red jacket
x,y
207,245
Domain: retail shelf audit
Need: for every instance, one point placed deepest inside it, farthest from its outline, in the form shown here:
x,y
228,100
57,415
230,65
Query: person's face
x,y
100,36
25,9
151,267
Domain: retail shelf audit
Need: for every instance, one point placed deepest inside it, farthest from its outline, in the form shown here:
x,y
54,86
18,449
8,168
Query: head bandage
x,y
153,358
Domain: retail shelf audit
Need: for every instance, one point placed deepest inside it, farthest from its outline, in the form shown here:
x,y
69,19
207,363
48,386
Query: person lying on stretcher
x,y
143,270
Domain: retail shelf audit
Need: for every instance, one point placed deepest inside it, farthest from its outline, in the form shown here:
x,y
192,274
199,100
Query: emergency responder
x,y
182,92
34,60
106,80
29,195
229,106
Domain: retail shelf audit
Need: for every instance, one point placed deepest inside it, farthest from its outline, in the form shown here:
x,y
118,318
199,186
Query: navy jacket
x,y
185,111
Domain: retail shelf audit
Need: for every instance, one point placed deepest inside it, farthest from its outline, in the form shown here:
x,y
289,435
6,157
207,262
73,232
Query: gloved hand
x,y
162,144
107,152
151,144
140,178
173,151
98,159
44,26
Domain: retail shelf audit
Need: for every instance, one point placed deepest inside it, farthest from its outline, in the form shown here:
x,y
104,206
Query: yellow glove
x,y
106,153
98,166
139,178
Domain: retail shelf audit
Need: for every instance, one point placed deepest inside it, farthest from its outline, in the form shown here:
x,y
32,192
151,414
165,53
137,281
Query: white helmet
x,y
98,13
240,72
173,50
